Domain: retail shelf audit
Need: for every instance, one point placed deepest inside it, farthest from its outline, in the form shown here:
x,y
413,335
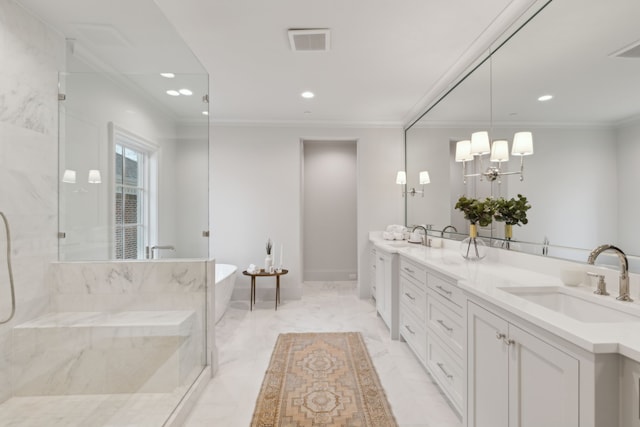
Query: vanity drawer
x,y
413,271
414,334
452,295
447,371
445,323
413,298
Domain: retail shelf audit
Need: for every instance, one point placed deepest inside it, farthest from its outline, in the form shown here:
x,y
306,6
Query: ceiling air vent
x,y
630,51
309,39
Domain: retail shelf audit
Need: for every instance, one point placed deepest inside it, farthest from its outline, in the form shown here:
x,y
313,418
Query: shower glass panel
x,y
133,188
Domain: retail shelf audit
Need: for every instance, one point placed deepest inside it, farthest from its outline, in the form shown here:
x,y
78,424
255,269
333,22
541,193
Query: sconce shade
x,y
424,177
69,176
522,144
463,151
401,178
480,143
500,151
94,176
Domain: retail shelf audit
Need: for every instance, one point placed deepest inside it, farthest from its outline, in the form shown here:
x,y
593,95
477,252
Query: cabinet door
x,y
543,383
373,273
487,369
380,285
388,289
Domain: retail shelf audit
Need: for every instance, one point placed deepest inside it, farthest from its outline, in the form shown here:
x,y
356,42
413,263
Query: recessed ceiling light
x,y
307,95
205,113
168,75
545,97
173,92
186,92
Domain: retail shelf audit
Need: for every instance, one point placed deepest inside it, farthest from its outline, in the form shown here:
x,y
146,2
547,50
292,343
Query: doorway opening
x,y
329,235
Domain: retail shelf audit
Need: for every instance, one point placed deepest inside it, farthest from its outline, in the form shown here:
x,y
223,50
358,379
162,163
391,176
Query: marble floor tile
x,y
245,340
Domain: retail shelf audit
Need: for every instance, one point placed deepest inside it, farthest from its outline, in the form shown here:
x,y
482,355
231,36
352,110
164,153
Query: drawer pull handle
x,y
504,339
408,270
409,296
444,290
409,329
444,325
447,374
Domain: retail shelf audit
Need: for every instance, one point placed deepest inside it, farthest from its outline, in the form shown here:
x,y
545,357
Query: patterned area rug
x,y
321,380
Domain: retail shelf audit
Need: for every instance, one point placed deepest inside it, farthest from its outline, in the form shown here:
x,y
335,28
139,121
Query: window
x,y
133,181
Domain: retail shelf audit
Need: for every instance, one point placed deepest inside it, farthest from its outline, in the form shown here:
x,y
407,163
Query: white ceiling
x,y
386,59
568,50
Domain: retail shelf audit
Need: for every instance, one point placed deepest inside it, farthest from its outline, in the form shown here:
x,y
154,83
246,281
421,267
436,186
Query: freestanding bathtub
x,y
225,280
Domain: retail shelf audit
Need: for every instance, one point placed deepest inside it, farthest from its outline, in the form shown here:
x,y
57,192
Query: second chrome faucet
x,y
623,292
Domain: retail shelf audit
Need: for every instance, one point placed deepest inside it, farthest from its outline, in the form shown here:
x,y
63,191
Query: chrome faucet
x,y
624,268
446,228
150,253
425,240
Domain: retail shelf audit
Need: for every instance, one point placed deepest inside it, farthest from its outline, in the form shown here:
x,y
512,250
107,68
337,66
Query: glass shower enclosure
x,y
124,335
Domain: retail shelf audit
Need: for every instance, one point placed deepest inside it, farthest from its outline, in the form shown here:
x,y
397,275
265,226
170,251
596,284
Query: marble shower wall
x,y
116,327
31,56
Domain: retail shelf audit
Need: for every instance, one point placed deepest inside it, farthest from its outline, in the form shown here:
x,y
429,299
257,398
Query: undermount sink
x,y
402,244
578,304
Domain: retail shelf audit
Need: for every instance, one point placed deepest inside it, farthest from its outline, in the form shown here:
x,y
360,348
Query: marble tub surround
x,y
96,353
117,327
503,269
246,339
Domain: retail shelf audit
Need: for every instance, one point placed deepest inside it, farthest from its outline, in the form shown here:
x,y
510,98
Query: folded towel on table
x,y
398,236
252,269
386,235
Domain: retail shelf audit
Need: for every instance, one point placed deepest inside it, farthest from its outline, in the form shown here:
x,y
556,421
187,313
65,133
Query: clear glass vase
x,y
473,248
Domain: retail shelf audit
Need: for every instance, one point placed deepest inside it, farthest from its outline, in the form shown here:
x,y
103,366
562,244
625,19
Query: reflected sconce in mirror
x,y
401,179
69,176
94,177
479,146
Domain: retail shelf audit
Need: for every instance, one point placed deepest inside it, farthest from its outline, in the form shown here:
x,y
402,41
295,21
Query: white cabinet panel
x,y
516,379
488,375
543,383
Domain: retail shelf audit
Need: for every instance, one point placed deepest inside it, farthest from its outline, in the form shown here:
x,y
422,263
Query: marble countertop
x,y
486,278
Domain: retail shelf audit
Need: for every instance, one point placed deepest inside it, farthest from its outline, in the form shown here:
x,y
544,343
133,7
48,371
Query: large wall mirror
x,y
133,134
581,178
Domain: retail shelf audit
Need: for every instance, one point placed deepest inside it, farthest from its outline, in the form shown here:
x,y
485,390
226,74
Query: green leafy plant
x,y
512,211
478,212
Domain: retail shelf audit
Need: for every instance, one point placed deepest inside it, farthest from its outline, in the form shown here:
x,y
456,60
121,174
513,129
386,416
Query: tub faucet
x,y
150,253
624,268
446,228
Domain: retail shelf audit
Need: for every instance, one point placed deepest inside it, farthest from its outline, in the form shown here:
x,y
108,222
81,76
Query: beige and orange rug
x,y
321,379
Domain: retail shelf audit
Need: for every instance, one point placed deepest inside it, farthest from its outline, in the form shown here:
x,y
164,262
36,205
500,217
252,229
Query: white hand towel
x,y
387,235
396,228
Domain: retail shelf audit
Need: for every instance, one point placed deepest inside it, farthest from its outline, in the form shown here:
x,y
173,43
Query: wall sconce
x,y
478,146
401,179
69,176
94,177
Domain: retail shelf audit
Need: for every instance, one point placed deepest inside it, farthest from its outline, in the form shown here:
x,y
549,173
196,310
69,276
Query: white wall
x,y
94,100
192,197
570,181
329,212
256,194
428,149
628,139
31,56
